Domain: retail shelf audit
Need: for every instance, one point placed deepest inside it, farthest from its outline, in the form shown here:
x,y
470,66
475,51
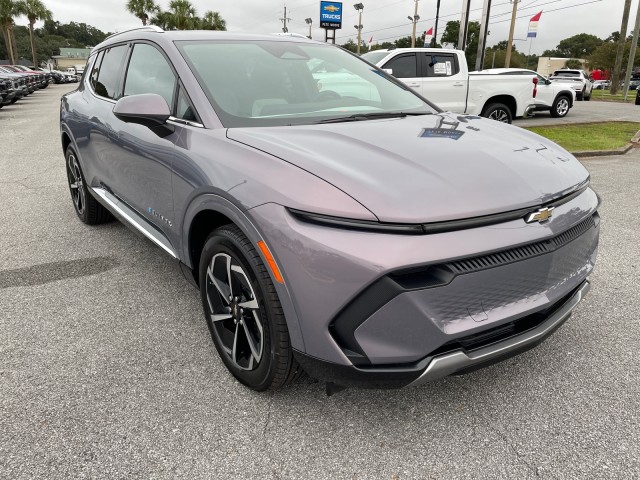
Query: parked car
x,y
634,84
601,84
555,98
577,80
377,243
25,82
7,93
638,96
441,75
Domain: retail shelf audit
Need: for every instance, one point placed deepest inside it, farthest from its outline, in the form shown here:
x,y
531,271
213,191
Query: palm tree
x,y
34,10
162,19
213,21
184,16
142,9
8,10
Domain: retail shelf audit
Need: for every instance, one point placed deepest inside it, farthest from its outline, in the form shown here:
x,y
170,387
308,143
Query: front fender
x,y
218,204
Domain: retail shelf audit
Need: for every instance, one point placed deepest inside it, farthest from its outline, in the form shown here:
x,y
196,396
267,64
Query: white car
x,y
576,79
557,98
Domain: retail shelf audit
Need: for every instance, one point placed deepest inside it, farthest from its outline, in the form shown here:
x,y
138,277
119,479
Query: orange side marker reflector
x,y
272,263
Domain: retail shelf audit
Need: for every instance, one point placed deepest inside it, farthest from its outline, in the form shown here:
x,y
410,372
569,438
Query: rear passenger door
x,y
445,83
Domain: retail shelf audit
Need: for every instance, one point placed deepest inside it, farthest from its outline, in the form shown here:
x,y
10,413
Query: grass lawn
x,y
591,136
605,96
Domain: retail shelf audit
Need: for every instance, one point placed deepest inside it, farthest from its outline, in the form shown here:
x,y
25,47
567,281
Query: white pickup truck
x,y
441,76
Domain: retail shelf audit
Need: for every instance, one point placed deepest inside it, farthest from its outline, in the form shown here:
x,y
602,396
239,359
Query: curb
x,y
634,142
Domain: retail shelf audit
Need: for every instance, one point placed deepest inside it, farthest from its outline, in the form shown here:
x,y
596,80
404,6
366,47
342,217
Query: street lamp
x,y
414,20
359,8
309,22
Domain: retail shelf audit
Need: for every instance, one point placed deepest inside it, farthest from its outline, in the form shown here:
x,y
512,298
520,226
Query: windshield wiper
x,y
371,116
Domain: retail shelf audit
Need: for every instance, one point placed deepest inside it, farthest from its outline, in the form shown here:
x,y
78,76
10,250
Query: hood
x,y
427,168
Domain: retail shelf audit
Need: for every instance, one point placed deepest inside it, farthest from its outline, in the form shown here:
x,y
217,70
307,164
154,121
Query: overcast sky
x,y
384,20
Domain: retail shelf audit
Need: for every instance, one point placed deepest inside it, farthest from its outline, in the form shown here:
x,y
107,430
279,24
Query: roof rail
x,y
153,28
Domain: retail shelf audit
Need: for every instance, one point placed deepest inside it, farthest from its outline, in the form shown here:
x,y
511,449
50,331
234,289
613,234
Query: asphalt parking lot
x,y
585,112
107,369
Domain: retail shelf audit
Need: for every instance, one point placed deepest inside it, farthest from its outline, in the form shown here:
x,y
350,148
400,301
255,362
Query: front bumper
x,y
453,362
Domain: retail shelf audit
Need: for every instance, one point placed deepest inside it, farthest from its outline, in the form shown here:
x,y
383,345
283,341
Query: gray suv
x,y
334,223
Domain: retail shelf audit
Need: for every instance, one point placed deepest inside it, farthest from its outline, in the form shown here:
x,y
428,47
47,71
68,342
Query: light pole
x,y
309,22
435,28
414,19
359,8
507,57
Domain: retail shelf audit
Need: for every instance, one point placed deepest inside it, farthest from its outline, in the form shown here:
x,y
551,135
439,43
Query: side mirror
x,y
548,82
147,109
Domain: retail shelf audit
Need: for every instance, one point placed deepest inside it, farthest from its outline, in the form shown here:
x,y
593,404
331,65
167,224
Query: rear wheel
x,y
498,112
243,312
560,107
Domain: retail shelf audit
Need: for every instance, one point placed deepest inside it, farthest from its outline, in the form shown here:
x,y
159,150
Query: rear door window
x,y
108,81
441,65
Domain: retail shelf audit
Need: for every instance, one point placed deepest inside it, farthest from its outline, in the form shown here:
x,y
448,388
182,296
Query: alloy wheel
x,y
234,311
563,107
499,115
75,183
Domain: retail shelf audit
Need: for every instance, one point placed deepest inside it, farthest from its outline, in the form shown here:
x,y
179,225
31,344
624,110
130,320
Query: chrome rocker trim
x,y
133,218
450,363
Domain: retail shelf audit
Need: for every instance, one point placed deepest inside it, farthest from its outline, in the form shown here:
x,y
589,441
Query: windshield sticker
x,y
440,68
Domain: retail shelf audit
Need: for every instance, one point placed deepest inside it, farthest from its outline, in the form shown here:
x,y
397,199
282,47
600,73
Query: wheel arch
x,y
210,211
565,93
507,100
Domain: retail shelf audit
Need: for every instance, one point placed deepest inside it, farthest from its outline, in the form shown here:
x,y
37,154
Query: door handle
x,y
458,84
413,84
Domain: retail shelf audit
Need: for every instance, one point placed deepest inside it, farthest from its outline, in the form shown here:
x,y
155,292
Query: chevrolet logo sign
x,y
331,8
540,216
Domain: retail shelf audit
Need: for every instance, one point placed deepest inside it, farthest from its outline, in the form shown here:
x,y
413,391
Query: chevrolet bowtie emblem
x,y
331,8
540,216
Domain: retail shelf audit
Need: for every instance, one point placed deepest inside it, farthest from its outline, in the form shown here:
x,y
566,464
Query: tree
x,y
573,63
495,56
183,15
451,33
8,10
350,45
578,46
142,9
212,21
604,57
162,19
34,10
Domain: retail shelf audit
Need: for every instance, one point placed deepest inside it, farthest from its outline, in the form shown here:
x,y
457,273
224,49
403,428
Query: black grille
x,y
517,254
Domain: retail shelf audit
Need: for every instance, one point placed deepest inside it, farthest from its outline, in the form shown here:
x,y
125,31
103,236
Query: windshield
x,y
289,83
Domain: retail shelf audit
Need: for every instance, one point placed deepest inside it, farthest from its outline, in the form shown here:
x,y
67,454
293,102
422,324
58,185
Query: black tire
x,y
586,98
89,210
580,96
275,366
499,112
560,106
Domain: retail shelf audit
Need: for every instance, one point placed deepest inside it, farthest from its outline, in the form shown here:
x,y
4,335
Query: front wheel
x,y
243,312
498,112
560,107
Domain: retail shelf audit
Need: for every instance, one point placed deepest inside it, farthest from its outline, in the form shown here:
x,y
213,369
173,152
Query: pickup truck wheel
x,y
89,210
243,312
498,112
560,107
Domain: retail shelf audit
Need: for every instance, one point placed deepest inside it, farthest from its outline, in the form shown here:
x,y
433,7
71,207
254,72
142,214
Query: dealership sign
x,y
331,14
